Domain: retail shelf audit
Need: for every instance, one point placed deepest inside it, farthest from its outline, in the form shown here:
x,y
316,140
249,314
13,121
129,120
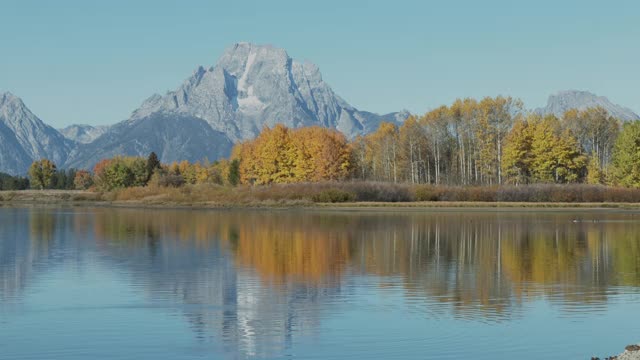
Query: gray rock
x,y
632,352
559,103
83,134
173,137
25,138
253,86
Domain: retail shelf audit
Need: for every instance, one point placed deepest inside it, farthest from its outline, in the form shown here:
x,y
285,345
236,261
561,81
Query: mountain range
x,y
83,134
250,87
24,137
559,103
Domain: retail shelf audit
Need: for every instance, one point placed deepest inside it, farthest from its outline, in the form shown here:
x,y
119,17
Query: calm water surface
x,y
83,283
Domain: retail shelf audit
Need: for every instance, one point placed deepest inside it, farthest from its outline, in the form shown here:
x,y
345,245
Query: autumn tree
x,y
436,127
595,176
495,119
463,115
595,131
243,153
320,154
269,158
119,172
413,145
82,180
188,171
361,158
384,151
556,153
518,157
282,155
625,162
139,170
100,174
41,173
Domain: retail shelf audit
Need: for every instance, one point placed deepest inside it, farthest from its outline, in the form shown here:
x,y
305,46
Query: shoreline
x,y
89,198
76,198
631,352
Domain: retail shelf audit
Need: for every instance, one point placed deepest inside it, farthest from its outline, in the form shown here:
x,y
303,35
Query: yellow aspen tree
x,y
517,156
595,176
41,173
360,158
625,164
435,126
412,150
385,151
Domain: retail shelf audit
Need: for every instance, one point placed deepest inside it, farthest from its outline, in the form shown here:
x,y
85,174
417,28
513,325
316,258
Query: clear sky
x,y
79,61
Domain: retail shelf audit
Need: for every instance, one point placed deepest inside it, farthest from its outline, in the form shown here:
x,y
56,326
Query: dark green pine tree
x,y
152,164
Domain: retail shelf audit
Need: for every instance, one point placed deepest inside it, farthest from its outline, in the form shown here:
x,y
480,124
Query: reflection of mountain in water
x,y
34,241
180,261
254,279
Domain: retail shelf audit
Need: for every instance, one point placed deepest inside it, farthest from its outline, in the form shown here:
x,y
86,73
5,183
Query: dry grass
x,y
48,196
369,192
350,194
573,193
299,193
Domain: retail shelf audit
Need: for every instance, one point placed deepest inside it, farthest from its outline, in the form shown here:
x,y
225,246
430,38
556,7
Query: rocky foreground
x,y
631,352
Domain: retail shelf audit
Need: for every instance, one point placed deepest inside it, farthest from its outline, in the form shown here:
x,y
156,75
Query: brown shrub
x,y
302,193
571,193
333,196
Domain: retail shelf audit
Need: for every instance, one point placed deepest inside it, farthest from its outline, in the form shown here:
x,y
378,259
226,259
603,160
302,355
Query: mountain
x,y
253,86
559,103
83,134
172,136
25,138
250,87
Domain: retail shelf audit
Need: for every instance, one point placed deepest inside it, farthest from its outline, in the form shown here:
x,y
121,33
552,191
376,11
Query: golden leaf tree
x,y
41,173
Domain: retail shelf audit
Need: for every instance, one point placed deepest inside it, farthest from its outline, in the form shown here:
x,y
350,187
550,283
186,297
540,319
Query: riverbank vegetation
x,y
368,192
8,182
489,151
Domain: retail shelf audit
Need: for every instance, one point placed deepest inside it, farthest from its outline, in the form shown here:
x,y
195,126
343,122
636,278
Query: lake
x,y
108,283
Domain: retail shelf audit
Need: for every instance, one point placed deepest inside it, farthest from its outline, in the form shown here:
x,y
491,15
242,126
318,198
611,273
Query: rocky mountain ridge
x,y
250,87
562,101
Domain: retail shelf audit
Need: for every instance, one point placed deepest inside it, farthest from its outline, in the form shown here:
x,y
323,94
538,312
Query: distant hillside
x,y
250,87
559,103
173,137
25,138
83,134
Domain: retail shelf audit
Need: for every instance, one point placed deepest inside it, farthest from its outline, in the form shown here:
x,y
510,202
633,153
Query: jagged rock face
x,y
173,137
559,103
25,138
83,134
253,86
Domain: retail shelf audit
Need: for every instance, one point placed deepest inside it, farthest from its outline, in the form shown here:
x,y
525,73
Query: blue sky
x,y
78,61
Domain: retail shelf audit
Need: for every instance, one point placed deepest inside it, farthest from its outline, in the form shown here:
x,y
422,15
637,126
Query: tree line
x,y
492,141
43,174
488,142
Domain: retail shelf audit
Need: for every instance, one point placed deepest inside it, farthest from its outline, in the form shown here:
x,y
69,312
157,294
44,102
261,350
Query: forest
x,y
467,150
488,142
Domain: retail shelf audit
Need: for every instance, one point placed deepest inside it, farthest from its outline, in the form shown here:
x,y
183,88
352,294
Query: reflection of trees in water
x,y
191,265
250,277
466,260
33,241
16,257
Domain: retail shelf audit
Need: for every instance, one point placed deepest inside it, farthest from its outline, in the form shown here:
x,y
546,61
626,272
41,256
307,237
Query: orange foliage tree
x,y
283,155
